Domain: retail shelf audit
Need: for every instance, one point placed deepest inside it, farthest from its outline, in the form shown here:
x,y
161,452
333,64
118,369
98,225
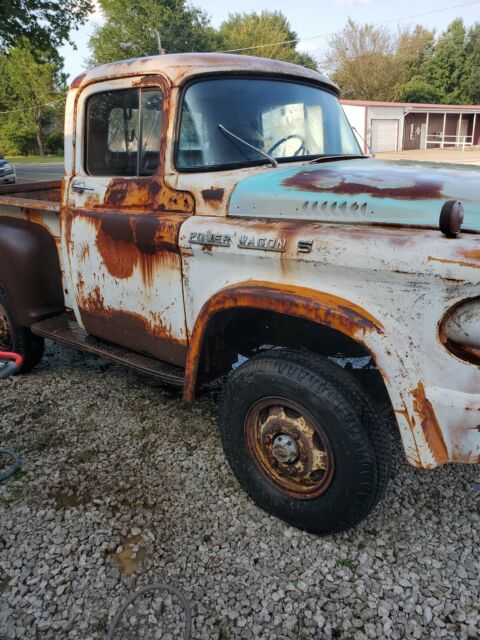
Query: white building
x,y
396,126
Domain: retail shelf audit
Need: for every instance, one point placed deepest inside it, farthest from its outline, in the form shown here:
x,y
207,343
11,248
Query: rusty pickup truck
x,y
218,220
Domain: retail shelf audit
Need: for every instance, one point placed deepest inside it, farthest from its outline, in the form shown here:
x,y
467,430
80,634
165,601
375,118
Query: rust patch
x,y
474,255
147,194
355,183
76,82
428,420
31,189
150,80
84,252
459,263
119,257
301,302
131,330
126,241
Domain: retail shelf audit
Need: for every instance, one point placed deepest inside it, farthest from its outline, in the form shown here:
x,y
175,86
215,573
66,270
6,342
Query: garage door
x,y
384,135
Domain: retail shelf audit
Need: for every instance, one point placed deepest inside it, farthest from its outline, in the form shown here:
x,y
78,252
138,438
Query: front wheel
x,y
18,339
304,440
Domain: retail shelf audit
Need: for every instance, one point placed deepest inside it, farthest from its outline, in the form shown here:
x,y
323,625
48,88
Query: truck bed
x,y
42,196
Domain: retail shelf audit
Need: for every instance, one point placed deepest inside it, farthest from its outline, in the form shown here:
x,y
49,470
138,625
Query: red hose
x,y
15,357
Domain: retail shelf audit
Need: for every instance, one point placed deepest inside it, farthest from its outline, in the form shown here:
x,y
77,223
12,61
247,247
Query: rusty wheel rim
x,y
5,332
290,447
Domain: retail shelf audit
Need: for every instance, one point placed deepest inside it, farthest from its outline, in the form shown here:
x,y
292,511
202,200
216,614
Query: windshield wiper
x,y
266,155
345,156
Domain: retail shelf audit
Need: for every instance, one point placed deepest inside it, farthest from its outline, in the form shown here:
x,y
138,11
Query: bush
x,y
15,140
54,143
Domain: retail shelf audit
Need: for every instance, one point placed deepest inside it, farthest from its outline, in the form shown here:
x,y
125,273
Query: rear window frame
x,y
139,90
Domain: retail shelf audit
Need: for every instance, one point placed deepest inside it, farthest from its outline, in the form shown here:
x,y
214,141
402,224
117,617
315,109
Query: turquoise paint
x,y
359,191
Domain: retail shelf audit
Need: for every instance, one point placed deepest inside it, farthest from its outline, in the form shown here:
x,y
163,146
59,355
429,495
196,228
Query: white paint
x,y
356,117
384,135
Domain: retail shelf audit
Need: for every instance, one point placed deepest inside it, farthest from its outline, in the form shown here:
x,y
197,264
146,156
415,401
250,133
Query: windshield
x,y
288,120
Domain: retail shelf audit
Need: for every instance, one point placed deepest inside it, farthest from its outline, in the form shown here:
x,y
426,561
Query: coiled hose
x,y
158,586
9,364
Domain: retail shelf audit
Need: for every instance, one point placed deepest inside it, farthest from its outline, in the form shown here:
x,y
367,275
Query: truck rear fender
x,y
30,271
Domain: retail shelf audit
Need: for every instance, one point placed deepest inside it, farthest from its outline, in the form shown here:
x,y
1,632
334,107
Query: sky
x,y
308,18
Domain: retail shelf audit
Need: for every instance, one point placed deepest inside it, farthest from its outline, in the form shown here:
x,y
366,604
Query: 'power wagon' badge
x,y
214,239
264,244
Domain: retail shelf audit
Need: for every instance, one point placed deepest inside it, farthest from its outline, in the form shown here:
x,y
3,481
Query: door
x,y
122,221
384,135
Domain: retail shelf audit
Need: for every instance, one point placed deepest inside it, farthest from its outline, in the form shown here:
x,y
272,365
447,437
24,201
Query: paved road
x,y
39,172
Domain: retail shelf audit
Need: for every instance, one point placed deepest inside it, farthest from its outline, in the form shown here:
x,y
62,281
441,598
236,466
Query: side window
x,y
123,130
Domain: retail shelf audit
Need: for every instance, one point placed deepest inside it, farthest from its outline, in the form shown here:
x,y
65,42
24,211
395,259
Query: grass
x,y
36,159
87,455
49,439
16,495
349,564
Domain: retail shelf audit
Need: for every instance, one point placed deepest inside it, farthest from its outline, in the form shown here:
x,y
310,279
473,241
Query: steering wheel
x,y
290,137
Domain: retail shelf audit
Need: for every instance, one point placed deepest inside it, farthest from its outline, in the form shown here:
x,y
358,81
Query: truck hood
x,y
360,191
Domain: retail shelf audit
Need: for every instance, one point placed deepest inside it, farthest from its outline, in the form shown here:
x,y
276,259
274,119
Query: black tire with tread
x,y
24,342
357,433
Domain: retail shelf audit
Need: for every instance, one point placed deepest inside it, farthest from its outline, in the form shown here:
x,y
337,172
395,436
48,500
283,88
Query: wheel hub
x,y
285,449
290,447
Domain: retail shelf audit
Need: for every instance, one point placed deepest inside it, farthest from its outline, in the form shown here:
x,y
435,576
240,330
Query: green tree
x,y
135,28
370,62
447,70
31,92
412,52
416,90
360,61
45,23
245,30
17,140
472,66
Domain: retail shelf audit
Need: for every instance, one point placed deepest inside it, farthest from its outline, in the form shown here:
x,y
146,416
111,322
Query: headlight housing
x,y
460,330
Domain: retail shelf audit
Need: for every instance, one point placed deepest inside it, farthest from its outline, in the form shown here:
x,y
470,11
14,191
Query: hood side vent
x,y
338,208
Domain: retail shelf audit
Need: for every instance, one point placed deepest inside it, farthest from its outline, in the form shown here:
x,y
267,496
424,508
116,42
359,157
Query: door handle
x,y
79,187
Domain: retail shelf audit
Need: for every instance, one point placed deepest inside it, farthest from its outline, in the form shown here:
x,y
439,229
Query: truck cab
x,y
218,210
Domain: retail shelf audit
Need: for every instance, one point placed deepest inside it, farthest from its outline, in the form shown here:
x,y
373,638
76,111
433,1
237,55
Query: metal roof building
x,y
397,126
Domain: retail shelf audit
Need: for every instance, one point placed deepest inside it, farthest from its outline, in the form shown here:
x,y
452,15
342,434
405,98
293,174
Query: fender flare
x,y
300,302
30,271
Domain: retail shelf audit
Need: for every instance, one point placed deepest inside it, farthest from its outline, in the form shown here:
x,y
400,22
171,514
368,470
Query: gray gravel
x,y
123,485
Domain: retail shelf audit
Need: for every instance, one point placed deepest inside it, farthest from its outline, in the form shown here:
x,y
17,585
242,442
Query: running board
x,y
66,330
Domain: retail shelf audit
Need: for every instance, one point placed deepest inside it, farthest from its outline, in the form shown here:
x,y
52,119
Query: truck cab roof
x,y
179,67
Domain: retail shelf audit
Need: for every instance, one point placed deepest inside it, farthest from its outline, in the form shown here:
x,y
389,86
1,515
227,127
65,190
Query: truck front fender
x,y
299,302
30,271
421,434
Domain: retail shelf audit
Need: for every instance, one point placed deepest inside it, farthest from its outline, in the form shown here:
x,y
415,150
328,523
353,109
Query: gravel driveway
x,y
124,485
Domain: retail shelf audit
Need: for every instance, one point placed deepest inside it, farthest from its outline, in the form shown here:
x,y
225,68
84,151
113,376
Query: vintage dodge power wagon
x,y
219,220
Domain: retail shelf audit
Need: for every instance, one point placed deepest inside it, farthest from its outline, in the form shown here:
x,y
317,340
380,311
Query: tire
x,y
18,339
338,429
